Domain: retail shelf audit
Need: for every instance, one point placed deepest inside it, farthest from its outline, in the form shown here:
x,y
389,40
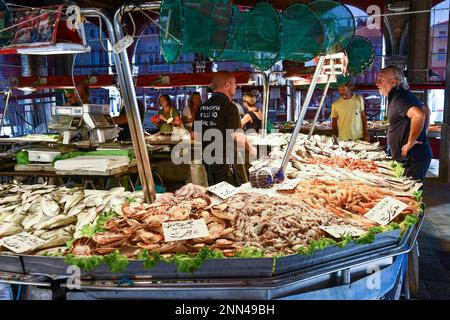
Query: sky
x,y
441,14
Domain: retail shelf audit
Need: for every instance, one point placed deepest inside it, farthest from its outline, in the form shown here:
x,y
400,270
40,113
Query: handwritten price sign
x,y
184,230
341,231
386,210
289,184
21,242
224,190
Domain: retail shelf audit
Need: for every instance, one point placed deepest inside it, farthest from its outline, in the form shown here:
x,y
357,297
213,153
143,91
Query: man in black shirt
x,y
406,133
218,118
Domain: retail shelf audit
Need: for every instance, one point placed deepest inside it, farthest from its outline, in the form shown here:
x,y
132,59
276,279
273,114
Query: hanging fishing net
x,y
6,20
188,26
234,44
361,54
254,37
302,36
338,22
171,29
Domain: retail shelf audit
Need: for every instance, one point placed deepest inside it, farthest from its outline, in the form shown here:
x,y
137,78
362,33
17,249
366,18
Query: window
x,y
376,38
438,39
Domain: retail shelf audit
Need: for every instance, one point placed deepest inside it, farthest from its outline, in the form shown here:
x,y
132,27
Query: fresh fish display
x,y
54,214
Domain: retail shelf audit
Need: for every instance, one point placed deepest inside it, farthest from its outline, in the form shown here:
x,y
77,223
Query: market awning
x,y
186,79
42,31
63,82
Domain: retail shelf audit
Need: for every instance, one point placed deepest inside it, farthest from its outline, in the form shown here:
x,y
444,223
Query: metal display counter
x,y
344,276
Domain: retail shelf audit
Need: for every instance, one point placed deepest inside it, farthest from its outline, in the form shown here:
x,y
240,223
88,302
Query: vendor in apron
x,y
168,117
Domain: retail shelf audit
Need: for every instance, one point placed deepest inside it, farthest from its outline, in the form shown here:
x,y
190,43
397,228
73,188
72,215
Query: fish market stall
x,y
358,222
284,242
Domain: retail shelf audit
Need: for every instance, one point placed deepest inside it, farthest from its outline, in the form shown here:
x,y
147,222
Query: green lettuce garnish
x,y
84,263
150,260
89,230
191,263
249,252
409,221
418,196
131,200
116,262
397,168
314,245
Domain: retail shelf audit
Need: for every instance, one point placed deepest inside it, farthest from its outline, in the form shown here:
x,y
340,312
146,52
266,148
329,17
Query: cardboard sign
x,y
289,184
386,210
341,231
224,190
183,230
21,242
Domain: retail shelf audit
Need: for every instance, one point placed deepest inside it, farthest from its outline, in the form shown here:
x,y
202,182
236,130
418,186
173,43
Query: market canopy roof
x,y
186,79
62,82
146,81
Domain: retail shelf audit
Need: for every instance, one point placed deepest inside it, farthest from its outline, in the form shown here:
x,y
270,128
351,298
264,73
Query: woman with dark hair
x,y
122,121
168,116
252,120
190,111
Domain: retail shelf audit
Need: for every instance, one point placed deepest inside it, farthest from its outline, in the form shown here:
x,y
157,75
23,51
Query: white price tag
x,y
416,187
183,230
21,242
224,190
289,184
386,210
341,231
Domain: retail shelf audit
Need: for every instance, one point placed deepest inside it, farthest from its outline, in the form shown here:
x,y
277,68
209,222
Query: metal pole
x,y
290,101
131,106
322,100
302,114
266,93
5,110
129,97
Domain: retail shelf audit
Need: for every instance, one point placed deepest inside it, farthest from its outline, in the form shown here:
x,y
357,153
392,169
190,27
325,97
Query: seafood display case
x,y
324,275
280,226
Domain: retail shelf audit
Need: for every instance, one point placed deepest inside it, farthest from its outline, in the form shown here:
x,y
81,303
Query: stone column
x,y
444,165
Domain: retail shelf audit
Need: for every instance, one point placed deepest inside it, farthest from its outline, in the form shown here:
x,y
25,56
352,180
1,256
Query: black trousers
x,y
418,161
220,172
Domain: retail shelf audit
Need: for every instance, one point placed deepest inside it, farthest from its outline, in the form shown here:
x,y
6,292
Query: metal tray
x,y
10,263
222,268
296,262
214,268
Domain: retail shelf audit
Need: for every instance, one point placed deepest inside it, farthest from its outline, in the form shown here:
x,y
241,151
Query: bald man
x,y
219,119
